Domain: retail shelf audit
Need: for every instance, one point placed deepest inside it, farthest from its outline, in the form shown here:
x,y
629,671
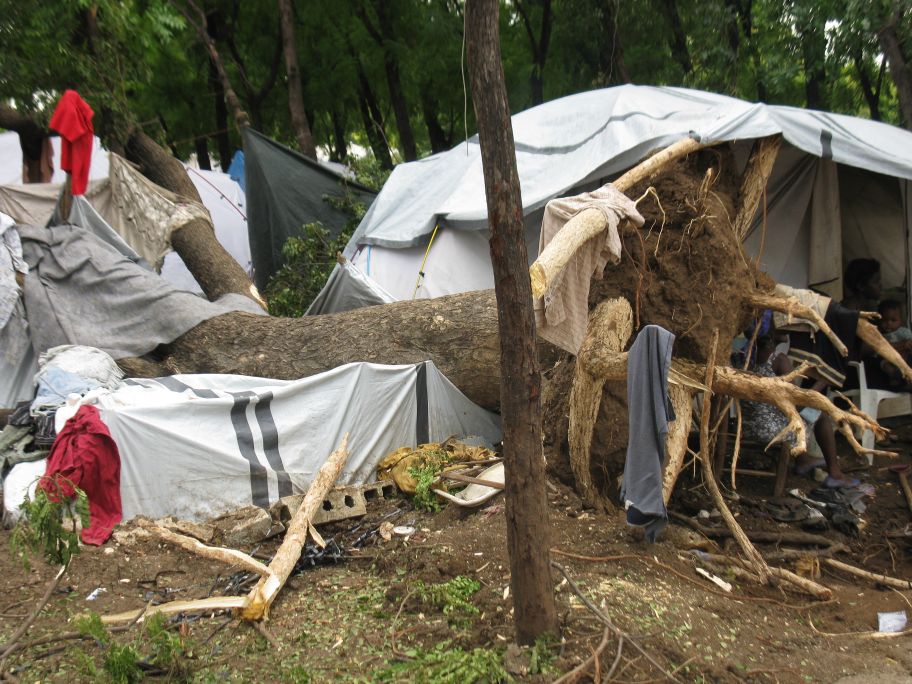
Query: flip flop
x,y
809,468
833,483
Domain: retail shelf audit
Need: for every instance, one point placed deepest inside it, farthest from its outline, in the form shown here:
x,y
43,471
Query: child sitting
x,y
898,335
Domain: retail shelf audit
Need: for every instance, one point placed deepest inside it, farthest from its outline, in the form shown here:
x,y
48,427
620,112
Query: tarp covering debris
x,y
71,271
196,446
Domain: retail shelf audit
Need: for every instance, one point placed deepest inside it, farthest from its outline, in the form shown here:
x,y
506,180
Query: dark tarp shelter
x,y
286,190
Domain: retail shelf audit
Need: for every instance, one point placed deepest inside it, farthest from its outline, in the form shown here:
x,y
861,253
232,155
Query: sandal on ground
x,y
832,483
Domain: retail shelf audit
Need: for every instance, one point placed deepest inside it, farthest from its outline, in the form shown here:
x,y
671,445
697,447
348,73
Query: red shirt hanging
x,y
85,455
73,120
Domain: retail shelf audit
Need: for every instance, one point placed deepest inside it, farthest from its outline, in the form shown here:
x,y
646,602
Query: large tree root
x,y
760,567
590,223
610,327
791,306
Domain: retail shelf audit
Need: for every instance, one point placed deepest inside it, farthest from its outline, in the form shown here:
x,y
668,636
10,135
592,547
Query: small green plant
x,y
445,665
452,597
309,258
168,649
43,526
541,655
122,663
425,474
368,171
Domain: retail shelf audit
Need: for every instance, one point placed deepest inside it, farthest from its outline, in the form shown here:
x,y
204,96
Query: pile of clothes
x,y
57,426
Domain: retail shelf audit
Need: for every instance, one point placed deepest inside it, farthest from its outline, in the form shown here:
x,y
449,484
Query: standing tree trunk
x,y
813,50
384,36
871,95
31,140
528,533
539,45
612,68
679,39
202,153
899,67
339,147
372,118
299,120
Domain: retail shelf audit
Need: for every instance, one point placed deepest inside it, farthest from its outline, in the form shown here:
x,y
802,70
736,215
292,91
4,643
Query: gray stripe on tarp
x,y
259,487
176,385
270,433
826,144
422,429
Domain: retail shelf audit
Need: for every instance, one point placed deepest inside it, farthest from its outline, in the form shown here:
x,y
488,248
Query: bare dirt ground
x,y
365,619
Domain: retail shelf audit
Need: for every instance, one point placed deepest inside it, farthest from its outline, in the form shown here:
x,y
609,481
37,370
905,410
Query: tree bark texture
x,y
214,268
299,121
528,534
458,333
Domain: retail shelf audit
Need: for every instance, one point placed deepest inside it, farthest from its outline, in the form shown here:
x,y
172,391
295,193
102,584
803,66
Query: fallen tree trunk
x,y
458,333
214,268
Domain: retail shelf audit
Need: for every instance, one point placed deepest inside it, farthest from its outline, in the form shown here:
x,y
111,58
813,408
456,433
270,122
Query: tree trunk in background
x,y
221,119
528,532
538,44
871,96
612,68
339,147
372,118
900,70
678,38
31,140
436,135
385,36
813,50
202,154
299,121
215,269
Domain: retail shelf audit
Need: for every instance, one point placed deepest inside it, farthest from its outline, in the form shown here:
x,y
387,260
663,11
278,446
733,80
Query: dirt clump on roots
x,y
683,270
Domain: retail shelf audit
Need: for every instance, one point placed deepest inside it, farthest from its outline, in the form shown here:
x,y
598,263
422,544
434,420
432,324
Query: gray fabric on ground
x,y
284,191
80,290
649,413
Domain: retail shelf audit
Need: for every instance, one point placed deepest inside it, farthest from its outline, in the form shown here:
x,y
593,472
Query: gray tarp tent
x,y
840,187
284,191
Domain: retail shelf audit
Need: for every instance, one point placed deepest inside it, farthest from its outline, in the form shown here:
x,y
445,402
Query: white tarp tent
x,y
198,446
581,141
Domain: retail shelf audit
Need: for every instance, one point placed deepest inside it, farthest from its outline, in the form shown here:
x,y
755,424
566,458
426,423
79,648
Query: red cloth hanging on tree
x,y
85,456
72,118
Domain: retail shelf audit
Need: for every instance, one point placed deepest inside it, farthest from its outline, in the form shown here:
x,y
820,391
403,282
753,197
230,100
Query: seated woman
x,y
762,422
862,285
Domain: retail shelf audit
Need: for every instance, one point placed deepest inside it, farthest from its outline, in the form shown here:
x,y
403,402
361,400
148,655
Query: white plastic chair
x,y
877,403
